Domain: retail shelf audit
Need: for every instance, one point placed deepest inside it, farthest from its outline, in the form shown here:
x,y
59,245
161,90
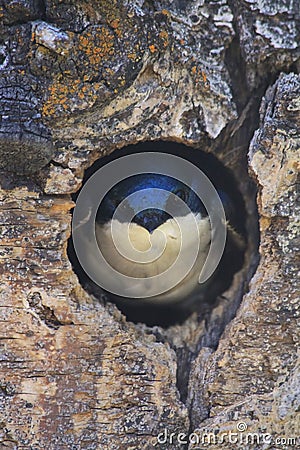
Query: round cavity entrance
x,y
168,225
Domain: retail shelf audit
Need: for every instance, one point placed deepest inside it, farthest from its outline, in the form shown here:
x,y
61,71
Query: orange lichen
x,y
132,56
199,75
63,95
95,51
96,46
114,23
118,32
164,37
152,48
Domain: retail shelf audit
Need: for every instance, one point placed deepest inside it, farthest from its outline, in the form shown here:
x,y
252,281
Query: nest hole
x,y
231,262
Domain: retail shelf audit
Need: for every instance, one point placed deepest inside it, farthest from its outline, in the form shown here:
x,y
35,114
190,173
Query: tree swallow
x,y
156,228
176,210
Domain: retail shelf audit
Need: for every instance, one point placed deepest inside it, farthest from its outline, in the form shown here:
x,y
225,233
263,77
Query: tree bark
x,y
78,81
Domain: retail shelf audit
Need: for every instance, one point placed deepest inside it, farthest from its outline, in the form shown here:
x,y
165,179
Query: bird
x,y
139,228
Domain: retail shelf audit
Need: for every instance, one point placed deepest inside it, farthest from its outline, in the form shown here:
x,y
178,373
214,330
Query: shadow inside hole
x,y
140,310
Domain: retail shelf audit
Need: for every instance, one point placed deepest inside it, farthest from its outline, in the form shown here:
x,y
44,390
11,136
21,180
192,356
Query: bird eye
x,y
181,194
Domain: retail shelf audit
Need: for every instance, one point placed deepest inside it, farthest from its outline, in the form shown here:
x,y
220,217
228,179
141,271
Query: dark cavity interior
x,y
232,259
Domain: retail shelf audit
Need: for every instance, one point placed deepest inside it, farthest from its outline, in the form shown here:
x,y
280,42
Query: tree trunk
x,y
79,81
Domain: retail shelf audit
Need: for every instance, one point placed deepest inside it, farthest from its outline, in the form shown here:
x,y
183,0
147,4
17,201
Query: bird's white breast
x,y
143,255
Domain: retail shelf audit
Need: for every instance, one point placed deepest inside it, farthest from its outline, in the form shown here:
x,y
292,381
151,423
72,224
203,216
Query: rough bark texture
x,y
253,377
77,82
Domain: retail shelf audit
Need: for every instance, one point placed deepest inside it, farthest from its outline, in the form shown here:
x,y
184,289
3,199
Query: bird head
x,y
150,189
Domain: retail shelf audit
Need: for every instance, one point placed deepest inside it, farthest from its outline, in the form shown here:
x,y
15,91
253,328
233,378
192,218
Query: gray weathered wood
x,y
77,81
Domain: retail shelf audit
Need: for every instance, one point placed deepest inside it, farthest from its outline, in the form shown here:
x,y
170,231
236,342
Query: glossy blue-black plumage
x,y
151,189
